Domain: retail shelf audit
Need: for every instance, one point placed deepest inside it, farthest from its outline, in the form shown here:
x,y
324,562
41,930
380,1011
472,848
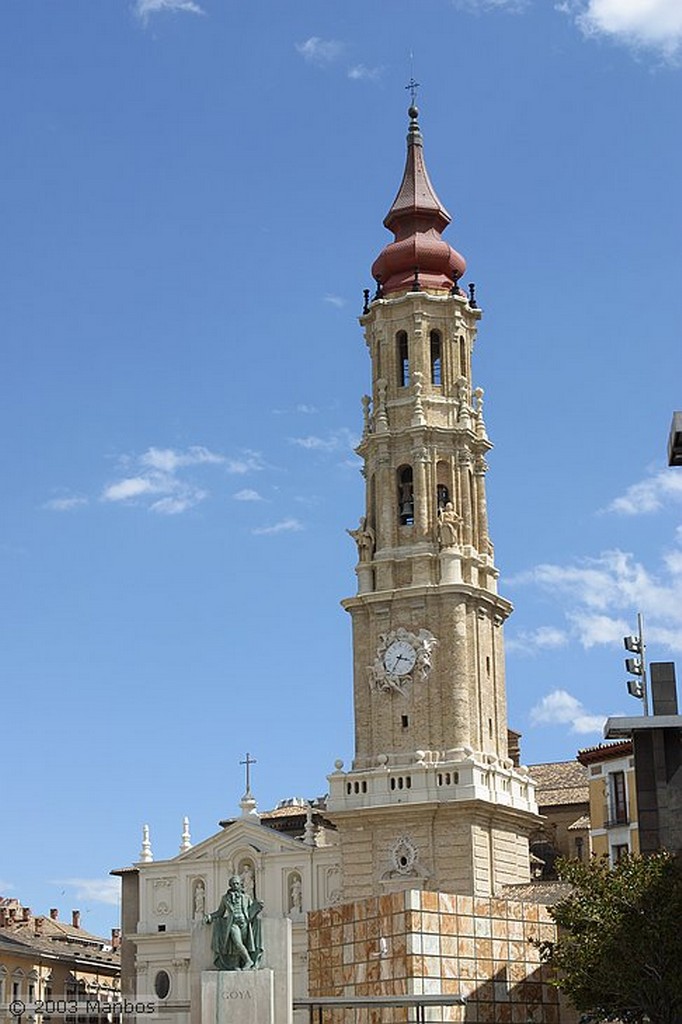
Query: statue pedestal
x,y
238,997
212,998
450,565
365,574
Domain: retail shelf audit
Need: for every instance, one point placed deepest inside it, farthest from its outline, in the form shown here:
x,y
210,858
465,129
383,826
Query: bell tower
x,y
432,799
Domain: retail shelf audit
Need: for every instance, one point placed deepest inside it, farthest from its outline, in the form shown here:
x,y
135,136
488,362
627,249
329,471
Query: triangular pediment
x,y
241,835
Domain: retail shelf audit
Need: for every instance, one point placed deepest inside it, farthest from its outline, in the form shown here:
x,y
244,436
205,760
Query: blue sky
x,y
192,199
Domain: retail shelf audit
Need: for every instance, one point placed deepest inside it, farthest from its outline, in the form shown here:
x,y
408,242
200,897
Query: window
x,y
162,984
403,360
436,359
618,851
462,358
619,807
442,496
405,496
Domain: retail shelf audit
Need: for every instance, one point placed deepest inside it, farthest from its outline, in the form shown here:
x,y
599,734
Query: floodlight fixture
x,y
637,666
635,688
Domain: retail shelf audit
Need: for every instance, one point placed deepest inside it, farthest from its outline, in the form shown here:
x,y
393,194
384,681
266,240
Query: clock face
x,y
399,658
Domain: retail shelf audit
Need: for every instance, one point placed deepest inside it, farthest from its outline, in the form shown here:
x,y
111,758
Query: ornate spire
x,y
146,855
186,838
417,217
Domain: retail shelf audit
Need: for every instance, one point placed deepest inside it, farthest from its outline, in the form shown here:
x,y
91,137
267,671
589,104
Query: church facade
x,y
395,884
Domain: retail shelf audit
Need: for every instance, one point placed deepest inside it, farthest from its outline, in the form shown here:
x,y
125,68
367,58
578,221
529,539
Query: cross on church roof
x,y
248,762
412,86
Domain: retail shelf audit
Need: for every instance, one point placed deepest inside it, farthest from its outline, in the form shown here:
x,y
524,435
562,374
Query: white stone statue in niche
x,y
295,895
449,524
199,902
248,878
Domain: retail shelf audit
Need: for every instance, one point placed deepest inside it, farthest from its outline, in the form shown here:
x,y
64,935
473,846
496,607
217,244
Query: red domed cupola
x,y
417,218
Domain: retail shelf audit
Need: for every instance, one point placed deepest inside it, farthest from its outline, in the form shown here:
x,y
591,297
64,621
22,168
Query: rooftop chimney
x,y
26,913
115,938
54,914
75,918
12,911
3,917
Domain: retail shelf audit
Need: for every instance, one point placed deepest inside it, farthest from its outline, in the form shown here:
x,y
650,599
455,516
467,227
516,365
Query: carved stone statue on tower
x,y
364,538
449,526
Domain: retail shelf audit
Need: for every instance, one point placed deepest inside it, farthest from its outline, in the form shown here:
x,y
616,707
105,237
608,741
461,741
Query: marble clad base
x,y
238,997
277,956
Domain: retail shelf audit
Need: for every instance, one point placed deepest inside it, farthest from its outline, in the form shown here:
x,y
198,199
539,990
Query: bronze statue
x,y
236,940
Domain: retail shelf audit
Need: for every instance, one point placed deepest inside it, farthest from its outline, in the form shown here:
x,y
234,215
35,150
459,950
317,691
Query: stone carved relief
x,y
401,657
333,886
403,855
163,896
403,860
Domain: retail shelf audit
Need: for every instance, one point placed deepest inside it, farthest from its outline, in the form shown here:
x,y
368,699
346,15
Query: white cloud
x,y
130,487
248,462
167,460
361,73
483,6
174,505
303,407
145,8
247,495
541,639
5,886
599,629
652,24
97,890
602,596
65,504
320,51
335,300
158,476
283,526
339,440
560,708
648,495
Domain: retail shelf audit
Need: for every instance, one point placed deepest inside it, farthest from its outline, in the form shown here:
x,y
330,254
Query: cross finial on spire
x,y
412,86
248,762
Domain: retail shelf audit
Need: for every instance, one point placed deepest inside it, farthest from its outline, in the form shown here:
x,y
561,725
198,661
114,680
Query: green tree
x,y
619,952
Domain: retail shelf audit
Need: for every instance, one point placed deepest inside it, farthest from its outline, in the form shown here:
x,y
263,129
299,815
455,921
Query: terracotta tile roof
x,y
546,893
284,812
559,782
604,751
581,824
18,938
